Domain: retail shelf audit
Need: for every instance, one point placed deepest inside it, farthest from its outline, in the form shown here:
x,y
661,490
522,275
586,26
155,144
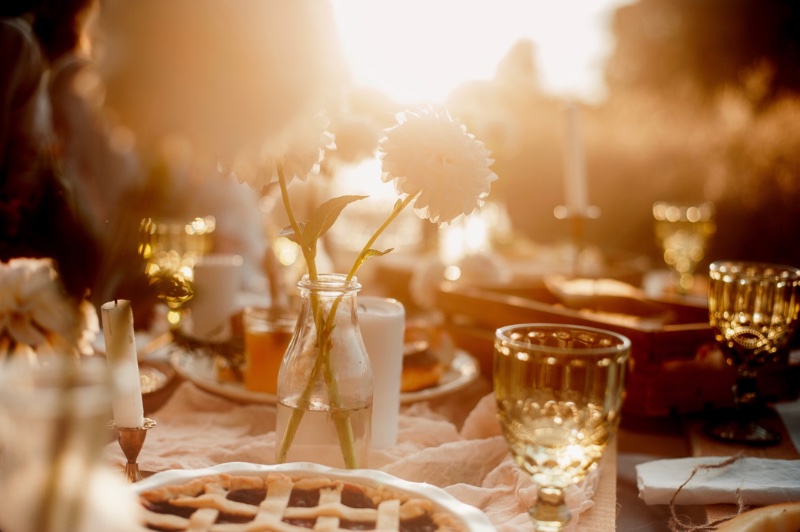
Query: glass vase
x,y
324,402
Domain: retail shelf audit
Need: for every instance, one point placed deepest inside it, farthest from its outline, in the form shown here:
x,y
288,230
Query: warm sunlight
x,y
418,51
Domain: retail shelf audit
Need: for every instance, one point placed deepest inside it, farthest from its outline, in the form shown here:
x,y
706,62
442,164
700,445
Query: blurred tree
x,y
521,126
702,46
721,84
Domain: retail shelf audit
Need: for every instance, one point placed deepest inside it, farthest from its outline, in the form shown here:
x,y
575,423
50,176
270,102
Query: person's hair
x,y
59,25
18,8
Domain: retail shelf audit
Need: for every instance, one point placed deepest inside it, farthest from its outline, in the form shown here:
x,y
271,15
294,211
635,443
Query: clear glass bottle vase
x,y
325,381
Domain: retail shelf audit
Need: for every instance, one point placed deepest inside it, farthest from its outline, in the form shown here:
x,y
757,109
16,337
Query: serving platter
x,y
199,369
471,518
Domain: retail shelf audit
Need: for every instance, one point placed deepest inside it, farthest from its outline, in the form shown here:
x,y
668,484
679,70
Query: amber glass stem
x,y
745,393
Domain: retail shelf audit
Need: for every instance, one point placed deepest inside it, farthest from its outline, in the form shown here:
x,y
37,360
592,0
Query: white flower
x,y
35,310
356,139
437,167
300,150
431,154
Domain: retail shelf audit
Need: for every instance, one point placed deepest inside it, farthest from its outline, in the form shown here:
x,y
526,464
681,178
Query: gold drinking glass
x,y
171,250
559,391
753,309
683,233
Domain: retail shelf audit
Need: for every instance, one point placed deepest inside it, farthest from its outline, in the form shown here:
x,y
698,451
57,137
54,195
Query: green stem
x,y
341,418
309,256
324,332
398,208
309,251
297,413
303,402
344,429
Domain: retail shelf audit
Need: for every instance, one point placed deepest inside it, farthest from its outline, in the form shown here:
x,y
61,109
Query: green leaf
x,y
325,215
288,232
370,253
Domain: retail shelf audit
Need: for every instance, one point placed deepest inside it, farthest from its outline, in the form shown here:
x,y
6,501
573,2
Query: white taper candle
x,y
575,191
126,404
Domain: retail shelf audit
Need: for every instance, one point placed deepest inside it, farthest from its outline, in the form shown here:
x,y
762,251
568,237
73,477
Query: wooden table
x,y
682,436
661,437
702,445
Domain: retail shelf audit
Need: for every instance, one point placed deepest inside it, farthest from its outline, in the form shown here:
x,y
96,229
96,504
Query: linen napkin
x,y
719,480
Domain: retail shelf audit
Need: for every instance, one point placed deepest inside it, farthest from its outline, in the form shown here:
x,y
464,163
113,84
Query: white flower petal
x,y
300,150
36,311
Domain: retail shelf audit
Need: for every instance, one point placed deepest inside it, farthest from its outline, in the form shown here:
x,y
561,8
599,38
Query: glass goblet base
x,y
550,513
742,431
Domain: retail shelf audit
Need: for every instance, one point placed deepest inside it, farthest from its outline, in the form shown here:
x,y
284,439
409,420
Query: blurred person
x,y
97,158
205,75
38,213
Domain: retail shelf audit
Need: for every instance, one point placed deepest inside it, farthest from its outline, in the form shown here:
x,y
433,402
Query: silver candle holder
x,y
131,440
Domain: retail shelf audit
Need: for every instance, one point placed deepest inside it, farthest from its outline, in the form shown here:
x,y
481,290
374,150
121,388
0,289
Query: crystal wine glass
x,y
559,391
753,309
171,250
683,232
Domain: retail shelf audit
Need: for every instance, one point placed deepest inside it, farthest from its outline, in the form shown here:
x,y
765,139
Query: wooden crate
x,y
665,373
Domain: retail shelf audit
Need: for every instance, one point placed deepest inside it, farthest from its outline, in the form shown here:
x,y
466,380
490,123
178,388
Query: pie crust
x,y
282,502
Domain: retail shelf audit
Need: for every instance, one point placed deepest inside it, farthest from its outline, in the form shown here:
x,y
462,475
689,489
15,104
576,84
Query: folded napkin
x,y
718,480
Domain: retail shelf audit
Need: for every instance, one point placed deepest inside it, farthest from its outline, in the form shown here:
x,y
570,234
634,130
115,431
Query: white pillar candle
x,y
123,363
575,193
382,323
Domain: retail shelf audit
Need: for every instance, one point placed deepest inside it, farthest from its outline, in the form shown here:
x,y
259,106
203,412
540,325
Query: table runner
x,y
470,460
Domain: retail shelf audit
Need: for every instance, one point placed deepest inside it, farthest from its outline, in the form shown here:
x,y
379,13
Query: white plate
x,y
199,369
472,518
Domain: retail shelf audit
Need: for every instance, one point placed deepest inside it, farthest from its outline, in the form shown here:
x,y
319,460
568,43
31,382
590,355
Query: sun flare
x,y
418,51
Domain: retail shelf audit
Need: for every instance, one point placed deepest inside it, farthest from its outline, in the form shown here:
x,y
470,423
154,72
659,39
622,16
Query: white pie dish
x,y
472,518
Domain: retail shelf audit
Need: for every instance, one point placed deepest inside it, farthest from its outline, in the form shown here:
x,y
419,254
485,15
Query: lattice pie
x,y
278,502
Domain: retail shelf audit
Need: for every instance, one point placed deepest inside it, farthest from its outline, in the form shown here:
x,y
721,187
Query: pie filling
x,y
278,502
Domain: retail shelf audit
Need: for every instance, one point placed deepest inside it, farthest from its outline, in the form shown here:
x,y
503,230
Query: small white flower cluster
x,y
37,316
300,149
